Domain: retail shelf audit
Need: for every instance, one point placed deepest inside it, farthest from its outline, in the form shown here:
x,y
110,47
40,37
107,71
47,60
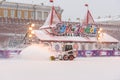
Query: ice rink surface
x,y
39,67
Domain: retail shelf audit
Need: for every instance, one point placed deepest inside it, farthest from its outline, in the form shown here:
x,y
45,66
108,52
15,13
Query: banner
x,y
98,53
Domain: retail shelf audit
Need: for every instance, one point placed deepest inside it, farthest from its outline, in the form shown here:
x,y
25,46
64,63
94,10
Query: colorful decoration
x,y
88,30
75,46
62,29
57,47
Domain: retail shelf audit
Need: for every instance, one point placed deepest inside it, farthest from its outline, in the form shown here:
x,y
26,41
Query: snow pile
x,y
36,52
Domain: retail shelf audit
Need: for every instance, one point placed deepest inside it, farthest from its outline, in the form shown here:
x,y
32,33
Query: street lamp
x,y
30,28
32,25
29,34
30,31
99,34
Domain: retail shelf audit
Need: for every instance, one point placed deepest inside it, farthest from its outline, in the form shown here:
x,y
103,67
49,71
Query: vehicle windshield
x,y
67,47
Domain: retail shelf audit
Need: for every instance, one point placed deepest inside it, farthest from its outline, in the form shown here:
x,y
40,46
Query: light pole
x,y
99,36
30,30
29,34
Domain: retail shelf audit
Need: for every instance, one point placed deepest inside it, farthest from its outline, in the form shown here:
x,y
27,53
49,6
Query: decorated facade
x,y
86,39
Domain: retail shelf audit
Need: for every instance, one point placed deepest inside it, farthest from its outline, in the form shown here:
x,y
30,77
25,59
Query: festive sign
x,y
92,30
61,29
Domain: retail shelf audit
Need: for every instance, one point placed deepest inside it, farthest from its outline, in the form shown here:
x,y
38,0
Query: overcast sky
x,y
75,8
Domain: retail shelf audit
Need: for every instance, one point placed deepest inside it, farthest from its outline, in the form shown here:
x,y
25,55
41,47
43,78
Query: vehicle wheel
x,y
71,57
65,57
60,57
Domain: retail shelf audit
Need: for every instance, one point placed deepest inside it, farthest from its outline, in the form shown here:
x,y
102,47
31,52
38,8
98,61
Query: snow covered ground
x,y
33,64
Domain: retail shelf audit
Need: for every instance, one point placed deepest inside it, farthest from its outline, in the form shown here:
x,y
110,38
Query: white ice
x,y
33,64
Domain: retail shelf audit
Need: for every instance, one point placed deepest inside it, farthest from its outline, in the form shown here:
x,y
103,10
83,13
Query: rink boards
x,y
8,53
95,53
81,53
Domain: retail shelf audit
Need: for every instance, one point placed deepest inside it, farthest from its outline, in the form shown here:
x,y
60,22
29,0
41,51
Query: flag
x,y
86,5
51,1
